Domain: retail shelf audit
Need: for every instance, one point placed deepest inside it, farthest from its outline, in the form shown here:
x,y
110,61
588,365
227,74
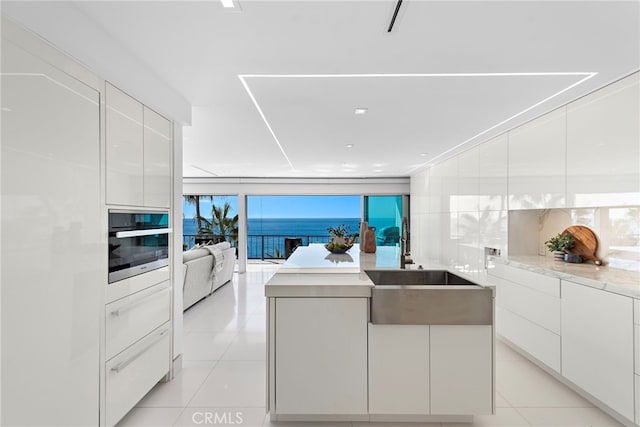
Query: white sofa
x,y
205,269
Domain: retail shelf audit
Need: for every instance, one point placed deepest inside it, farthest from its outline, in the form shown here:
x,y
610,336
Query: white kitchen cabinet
x,y
539,342
461,361
321,355
450,189
468,180
399,369
125,148
132,317
419,209
597,344
492,186
528,313
537,163
138,146
157,159
603,146
53,244
132,373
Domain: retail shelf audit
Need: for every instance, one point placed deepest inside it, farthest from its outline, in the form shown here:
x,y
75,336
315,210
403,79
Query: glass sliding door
x,y
384,213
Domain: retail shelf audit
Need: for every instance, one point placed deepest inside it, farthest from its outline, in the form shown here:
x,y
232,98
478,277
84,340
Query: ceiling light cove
x,y
309,96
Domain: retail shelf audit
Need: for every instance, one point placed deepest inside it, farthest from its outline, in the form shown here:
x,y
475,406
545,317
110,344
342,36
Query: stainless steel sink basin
x,y
428,297
416,277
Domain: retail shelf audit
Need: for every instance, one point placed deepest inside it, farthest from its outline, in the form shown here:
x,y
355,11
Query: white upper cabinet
x,y
468,174
125,150
157,159
492,187
537,163
138,153
603,146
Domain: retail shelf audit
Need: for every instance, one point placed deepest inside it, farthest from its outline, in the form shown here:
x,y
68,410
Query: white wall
x,y
511,193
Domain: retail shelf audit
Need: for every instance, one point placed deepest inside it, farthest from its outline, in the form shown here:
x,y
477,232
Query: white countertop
x,y
315,258
312,271
618,281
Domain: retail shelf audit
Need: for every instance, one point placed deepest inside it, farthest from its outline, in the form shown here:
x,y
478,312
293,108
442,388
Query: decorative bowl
x,y
338,249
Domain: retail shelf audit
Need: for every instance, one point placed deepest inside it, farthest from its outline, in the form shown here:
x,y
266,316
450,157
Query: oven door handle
x,y
136,233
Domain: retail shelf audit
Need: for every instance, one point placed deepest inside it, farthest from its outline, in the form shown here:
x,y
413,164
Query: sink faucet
x,y
405,257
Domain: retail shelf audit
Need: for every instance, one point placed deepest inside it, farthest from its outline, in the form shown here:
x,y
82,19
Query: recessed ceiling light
x,y
349,145
227,3
7,109
423,154
360,111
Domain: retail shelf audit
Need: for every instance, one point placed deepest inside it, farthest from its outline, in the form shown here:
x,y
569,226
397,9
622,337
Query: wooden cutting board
x,y
586,243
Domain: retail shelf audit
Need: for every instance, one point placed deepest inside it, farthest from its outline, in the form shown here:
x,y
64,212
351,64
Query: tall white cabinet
x,y
53,244
76,351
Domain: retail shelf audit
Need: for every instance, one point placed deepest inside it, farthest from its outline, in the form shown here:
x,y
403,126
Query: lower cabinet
x,y
461,369
321,355
132,373
437,369
399,369
137,347
528,312
597,344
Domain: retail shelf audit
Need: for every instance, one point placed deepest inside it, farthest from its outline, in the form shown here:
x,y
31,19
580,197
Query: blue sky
x,y
286,206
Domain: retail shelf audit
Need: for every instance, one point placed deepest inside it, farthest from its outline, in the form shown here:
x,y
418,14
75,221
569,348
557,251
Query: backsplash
x,y
617,230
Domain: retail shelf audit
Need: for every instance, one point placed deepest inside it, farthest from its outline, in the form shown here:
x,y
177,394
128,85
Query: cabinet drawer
x,y
126,287
539,282
131,374
133,317
541,343
538,307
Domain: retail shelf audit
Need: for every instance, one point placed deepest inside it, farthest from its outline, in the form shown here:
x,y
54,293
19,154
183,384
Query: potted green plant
x,y
341,241
560,244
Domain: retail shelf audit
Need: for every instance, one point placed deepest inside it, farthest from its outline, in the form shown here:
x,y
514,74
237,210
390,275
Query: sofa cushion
x,y
194,254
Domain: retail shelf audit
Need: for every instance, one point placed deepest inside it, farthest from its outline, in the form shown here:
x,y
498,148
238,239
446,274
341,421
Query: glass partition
x,y
384,213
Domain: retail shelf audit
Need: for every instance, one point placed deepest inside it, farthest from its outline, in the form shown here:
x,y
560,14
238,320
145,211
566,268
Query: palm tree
x,y
225,225
195,201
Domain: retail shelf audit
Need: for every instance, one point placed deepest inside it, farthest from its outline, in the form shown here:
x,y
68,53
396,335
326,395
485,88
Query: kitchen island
x,y
328,362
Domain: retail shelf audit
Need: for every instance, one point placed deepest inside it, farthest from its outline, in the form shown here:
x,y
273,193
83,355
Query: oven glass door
x,y
138,242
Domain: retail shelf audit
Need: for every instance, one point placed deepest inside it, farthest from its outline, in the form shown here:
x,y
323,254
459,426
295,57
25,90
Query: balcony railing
x,y
260,246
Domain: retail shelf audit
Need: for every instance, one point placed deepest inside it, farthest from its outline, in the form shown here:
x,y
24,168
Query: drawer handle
x,y
120,366
148,232
137,301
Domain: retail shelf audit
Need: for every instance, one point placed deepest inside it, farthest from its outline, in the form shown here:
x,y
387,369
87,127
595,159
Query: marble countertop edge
x,y
623,282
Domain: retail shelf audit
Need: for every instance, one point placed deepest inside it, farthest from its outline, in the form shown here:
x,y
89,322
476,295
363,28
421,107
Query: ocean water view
x,y
266,235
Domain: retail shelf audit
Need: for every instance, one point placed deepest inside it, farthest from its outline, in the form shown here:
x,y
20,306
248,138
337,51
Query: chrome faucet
x,y
405,257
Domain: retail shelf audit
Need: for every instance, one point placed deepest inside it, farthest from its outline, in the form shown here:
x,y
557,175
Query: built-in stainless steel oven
x,y
138,242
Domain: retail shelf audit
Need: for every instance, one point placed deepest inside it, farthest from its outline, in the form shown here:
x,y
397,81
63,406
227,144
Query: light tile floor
x,y
223,377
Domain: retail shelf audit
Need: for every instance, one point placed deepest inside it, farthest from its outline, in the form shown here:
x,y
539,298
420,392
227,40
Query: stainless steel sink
x,y
428,297
416,277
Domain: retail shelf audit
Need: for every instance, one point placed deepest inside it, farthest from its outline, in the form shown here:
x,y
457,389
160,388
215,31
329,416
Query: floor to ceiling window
x,y
273,222
209,218
384,213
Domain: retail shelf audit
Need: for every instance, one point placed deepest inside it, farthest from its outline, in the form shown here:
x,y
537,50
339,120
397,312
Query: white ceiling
x,y
273,87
